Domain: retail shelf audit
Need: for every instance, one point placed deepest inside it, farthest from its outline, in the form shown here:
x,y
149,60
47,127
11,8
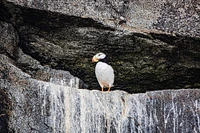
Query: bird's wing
x,y
112,76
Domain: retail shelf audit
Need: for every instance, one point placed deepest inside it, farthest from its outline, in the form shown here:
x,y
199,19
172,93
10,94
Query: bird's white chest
x,y
101,67
104,74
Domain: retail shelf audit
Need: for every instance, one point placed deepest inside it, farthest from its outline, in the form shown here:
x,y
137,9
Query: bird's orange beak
x,y
94,59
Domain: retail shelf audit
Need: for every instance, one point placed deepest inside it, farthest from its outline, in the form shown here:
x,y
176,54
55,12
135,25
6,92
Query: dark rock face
x,y
152,45
5,111
59,106
143,59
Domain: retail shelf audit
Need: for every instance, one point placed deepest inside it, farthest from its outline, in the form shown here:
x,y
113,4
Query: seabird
x,y
103,71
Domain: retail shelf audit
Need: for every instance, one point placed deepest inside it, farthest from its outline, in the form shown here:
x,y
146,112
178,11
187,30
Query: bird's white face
x,y
98,56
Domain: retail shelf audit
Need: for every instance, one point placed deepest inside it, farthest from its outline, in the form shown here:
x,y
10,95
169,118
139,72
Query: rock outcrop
x,y
152,45
59,106
153,49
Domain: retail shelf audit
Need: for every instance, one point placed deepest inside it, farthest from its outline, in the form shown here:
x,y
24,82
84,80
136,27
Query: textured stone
x,y
59,106
152,45
142,60
24,93
8,39
5,111
172,16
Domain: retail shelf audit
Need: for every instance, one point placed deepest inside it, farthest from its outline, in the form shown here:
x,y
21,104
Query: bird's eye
x,y
99,54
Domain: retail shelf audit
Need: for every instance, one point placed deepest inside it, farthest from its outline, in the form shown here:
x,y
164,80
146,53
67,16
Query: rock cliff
x,y
152,45
59,106
153,49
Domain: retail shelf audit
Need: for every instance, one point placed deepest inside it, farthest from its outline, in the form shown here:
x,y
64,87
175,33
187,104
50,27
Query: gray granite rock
x,y
172,16
59,106
142,59
8,40
152,45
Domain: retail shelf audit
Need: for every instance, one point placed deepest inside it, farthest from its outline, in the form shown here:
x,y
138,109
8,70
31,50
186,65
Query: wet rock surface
x,y
59,106
151,46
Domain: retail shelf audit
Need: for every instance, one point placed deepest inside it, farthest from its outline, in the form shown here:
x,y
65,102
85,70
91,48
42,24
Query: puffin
x,y
104,72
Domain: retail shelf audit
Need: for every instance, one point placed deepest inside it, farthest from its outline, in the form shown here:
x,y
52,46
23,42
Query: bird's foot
x,y
108,89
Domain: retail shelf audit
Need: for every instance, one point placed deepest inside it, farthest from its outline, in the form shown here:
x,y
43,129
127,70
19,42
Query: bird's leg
x,y
101,88
109,88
